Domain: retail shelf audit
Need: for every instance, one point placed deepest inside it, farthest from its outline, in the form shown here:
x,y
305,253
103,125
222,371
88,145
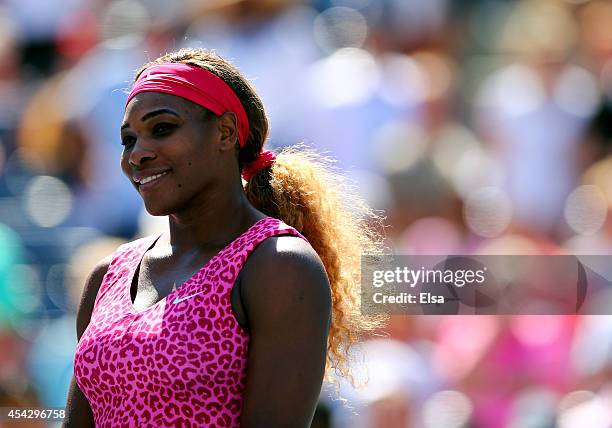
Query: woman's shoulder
x,y
285,270
284,252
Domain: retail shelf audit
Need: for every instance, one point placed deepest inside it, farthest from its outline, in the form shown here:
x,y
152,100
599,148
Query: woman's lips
x,y
149,185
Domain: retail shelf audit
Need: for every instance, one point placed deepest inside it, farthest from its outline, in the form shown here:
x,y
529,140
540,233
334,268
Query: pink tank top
x,y
179,363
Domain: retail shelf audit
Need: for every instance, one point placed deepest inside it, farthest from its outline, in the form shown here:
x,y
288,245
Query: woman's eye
x,y
128,140
162,128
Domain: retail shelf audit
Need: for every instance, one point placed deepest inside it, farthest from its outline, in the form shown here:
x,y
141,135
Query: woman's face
x,y
169,151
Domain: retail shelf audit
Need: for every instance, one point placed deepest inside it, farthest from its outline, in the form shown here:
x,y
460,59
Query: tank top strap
x,y
223,269
240,249
125,258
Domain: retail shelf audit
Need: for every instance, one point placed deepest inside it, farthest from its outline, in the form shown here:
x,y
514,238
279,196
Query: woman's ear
x,y
228,131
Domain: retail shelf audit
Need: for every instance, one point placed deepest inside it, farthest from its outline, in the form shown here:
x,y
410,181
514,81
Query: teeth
x,y
151,178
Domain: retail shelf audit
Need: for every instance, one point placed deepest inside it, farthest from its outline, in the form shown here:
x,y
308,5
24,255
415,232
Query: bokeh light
x,y
534,408
340,27
584,408
516,91
399,145
536,330
404,81
586,209
24,288
347,77
447,409
488,212
124,23
576,92
48,201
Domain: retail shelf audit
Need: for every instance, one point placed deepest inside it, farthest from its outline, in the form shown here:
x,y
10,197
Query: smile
x,y
151,178
149,182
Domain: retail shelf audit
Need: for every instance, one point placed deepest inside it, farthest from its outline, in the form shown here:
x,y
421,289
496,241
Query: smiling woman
x,y
232,316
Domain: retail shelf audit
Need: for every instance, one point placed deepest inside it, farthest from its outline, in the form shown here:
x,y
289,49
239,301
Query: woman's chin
x,y
157,210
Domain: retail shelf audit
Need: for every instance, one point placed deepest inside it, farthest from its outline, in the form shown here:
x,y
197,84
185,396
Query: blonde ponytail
x,y
302,189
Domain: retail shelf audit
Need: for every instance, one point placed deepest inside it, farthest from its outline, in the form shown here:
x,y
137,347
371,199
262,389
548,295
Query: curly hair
x,y
304,190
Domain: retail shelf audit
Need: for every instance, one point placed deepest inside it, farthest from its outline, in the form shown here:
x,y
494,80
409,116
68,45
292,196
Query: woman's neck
x,y
212,225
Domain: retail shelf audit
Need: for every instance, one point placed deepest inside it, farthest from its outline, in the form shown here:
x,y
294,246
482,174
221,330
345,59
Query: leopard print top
x,y
179,363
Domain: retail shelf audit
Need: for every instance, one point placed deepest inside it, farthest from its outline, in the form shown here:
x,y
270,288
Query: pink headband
x,y
197,85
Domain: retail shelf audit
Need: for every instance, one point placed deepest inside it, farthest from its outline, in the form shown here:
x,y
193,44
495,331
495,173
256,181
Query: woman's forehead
x,y
155,100
146,103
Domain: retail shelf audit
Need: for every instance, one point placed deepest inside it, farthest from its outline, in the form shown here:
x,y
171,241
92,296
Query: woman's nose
x,y
139,154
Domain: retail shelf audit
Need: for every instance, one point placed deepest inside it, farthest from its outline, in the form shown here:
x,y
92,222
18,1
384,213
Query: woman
x,y
224,319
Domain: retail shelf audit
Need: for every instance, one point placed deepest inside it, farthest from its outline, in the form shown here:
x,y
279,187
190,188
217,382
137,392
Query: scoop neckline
x,y
132,273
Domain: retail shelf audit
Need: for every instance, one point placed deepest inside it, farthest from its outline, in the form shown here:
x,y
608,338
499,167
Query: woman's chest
x,y
157,277
155,281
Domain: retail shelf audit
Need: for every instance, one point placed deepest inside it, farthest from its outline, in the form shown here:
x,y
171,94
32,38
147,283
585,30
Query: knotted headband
x,y
197,85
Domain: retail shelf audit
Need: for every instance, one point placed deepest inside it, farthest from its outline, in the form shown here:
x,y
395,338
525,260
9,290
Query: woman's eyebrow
x,y
151,114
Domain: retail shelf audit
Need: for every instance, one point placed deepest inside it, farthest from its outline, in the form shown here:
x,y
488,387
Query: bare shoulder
x,y
284,244
286,270
90,291
288,255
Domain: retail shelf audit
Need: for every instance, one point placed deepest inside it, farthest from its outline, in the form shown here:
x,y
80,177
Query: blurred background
x,y
478,126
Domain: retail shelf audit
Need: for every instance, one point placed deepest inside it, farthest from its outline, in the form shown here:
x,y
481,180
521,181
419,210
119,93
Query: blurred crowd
x,y
477,127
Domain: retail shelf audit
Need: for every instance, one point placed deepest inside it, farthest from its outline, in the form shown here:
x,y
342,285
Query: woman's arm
x,y
287,300
78,411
